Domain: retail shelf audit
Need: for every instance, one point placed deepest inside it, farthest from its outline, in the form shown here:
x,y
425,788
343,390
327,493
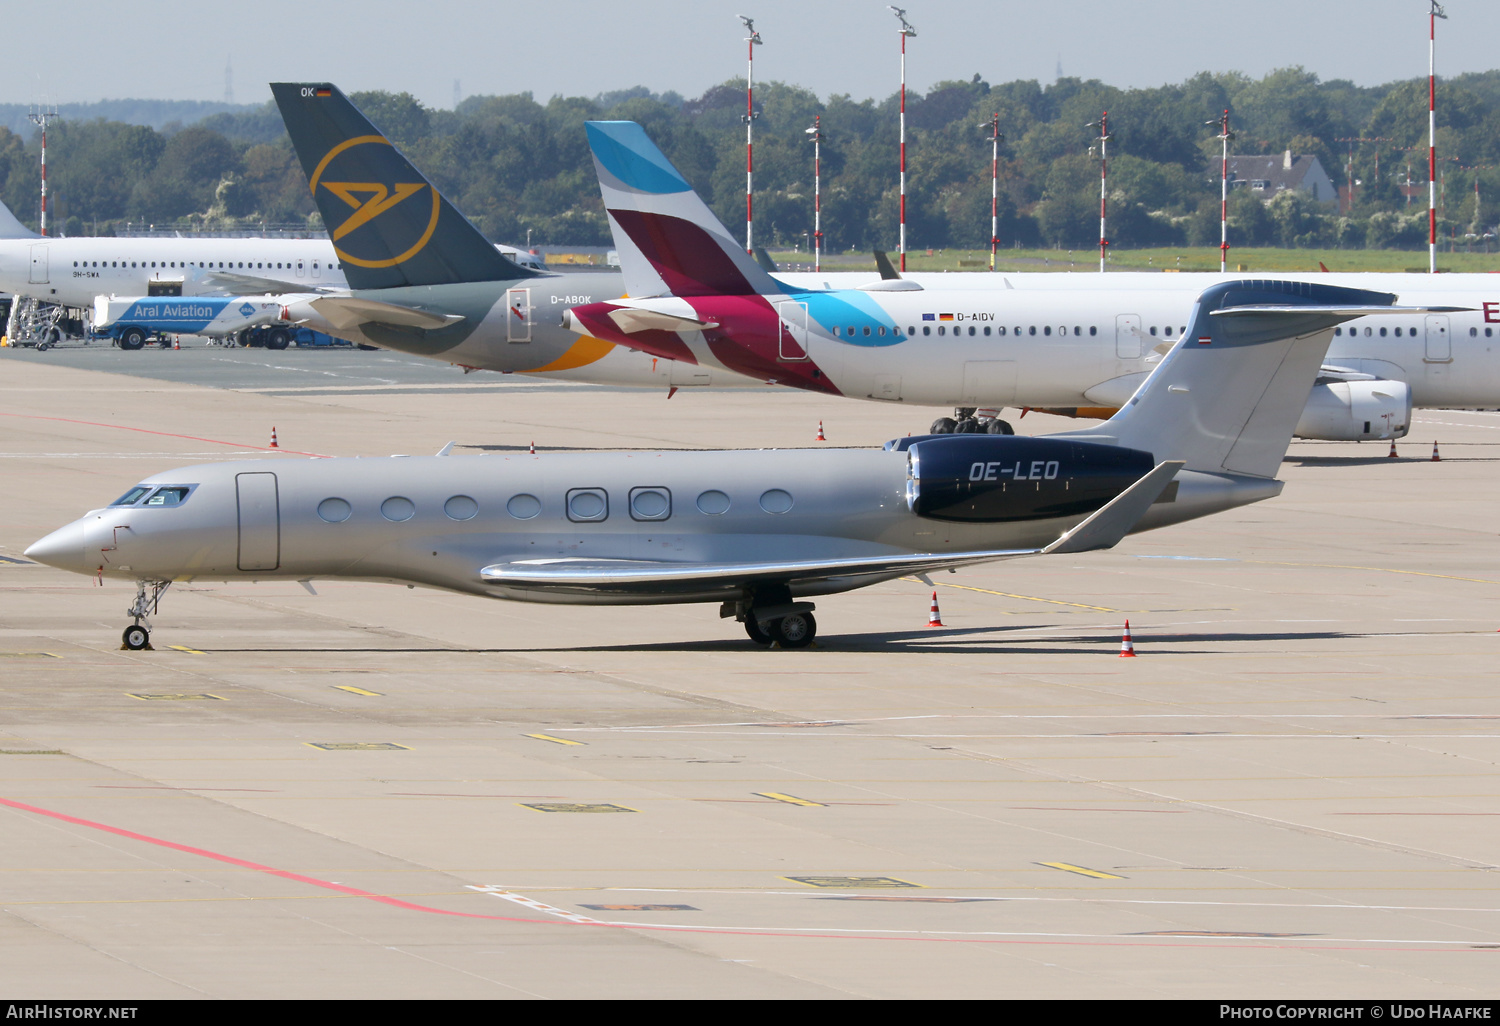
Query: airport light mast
x,y
906,30
751,42
816,133
40,118
1224,136
1104,137
995,140
1434,13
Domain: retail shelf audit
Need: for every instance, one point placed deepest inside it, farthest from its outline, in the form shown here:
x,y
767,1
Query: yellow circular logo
x,y
375,185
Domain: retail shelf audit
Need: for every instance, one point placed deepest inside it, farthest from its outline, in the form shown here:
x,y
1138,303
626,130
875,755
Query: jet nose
x,y
62,548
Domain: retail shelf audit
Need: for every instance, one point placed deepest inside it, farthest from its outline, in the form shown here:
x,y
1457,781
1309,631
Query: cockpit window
x,y
131,497
172,495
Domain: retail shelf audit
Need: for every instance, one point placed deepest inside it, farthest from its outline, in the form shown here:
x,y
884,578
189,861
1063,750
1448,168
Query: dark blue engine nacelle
x,y
997,478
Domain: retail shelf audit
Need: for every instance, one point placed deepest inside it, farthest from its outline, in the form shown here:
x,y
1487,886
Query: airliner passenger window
x,y
867,330
942,330
927,329
1382,333
1093,329
882,331
1367,333
1031,330
835,330
971,331
1001,329
1047,330
1472,332
986,329
1398,332
1489,332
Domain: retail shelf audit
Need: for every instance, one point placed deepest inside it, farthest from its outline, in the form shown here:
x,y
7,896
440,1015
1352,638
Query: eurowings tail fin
x,y
10,228
1226,398
668,240
390,226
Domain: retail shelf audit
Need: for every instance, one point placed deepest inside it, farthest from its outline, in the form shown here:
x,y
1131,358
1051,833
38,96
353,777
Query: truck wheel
x,y
278,338
132,339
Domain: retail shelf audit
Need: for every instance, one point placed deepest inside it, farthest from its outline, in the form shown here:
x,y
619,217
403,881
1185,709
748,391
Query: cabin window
x,y
835,331
1093,329
942,330
971,331
1153,329
650,503
927,329
1077,331
461,507
334,511
1047,330
1489,332
1473,332
1367,333
851,331
1382,333
986,329
1338,331
882,332
776,500
867,331
587,505
1398,332
1031,330
1000,330
713,502
398,508
523,506
911,329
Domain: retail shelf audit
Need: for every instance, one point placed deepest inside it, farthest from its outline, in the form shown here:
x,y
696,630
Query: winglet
x,y
1113,521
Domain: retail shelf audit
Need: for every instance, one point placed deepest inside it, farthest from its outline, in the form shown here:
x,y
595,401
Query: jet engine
x,y
1353,411
999,478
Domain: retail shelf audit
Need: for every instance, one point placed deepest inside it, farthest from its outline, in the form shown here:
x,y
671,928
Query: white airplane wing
x,y
230,283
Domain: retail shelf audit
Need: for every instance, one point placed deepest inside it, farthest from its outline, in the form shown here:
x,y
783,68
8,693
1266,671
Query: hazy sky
x,y
584,47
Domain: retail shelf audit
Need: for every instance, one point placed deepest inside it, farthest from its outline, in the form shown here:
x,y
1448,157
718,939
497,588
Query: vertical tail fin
x,y
390,226
667,238
1228,395
10,228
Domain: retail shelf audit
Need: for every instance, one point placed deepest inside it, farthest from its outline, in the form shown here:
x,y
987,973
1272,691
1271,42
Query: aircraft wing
x,y
1101,530
233,284
629,576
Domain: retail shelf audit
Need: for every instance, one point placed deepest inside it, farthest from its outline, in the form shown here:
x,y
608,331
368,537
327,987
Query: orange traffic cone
x,y
1435,457
821,436
176,341
533,448
934,618
1392,453
273,438
1127,648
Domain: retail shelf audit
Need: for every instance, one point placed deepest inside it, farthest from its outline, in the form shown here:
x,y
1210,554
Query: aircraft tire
x,y
757,634
796,630
967,426
136,637
278,338
999,427
944,426
132,339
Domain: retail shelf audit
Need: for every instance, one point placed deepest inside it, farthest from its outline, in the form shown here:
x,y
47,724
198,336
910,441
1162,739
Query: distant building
x,y
1269,174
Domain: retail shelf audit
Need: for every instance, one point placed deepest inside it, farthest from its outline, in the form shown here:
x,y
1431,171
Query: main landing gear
x,y
138,635
966,420
772,618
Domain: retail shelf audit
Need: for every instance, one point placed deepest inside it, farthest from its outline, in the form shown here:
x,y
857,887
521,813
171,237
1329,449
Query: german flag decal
x,y
325,92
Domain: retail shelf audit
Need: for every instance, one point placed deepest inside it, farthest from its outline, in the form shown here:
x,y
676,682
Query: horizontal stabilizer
x,y
348,312
1113,521
631,321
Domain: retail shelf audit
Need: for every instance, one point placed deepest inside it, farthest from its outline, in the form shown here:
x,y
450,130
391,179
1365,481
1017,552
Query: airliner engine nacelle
x,y
999,478
1353,411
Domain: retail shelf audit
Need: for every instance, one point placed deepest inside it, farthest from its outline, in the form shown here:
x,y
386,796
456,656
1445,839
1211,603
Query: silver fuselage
x,y
273,518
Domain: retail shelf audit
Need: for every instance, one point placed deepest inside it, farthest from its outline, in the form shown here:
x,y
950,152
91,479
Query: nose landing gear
x,y
137,636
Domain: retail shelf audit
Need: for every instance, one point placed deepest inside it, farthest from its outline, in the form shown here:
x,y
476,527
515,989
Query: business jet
x,y
760,532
